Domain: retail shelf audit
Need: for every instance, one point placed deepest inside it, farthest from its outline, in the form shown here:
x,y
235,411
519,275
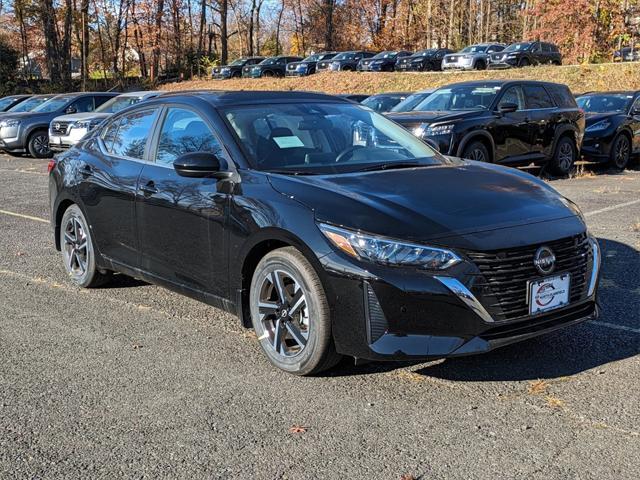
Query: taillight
x,y
51,165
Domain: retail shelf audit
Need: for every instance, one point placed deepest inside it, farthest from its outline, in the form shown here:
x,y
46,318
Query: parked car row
x,y
480,56
328,228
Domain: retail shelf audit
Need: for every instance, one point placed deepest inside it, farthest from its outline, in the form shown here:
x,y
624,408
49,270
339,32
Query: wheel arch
x,y
565,131
481,135
268,240
61,207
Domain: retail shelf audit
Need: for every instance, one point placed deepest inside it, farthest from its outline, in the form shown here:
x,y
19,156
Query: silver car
x,y
473,57
67,130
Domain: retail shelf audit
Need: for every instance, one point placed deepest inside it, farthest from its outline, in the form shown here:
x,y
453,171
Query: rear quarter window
x,y
562,96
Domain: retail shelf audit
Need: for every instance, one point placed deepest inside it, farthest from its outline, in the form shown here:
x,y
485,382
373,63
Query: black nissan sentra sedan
x,y
327,227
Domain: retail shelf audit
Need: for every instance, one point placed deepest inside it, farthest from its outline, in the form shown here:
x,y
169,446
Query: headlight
x,y
601,125
9,123
386,251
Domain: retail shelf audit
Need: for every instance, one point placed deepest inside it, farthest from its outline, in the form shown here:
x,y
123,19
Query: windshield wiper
x,y
290,172
391,165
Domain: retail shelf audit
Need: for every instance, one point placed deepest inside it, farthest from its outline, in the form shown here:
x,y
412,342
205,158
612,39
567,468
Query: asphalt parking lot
x,y
135,381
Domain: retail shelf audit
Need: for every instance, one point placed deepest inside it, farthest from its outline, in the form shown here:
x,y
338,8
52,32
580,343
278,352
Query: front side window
x,y
83,105
130,137
463,97
513,95
184,131
537,97
323,138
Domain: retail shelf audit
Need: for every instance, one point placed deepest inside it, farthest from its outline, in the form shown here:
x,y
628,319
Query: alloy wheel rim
x,y
283,312
565,156
477,155
40,144
76,251
622,151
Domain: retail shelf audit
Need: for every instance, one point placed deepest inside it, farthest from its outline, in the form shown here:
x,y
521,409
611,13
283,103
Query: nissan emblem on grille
x,y
544,260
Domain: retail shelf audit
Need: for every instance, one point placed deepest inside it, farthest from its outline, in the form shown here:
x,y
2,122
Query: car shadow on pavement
x,y
614,336
123,281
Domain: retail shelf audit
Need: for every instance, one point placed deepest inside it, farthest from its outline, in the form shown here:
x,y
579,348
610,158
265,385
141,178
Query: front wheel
x,y
290,313
524,62
38,144
564,156
476,151
620,152
77,250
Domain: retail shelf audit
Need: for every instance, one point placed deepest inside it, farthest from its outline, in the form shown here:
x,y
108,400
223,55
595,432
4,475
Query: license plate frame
x,y
549,293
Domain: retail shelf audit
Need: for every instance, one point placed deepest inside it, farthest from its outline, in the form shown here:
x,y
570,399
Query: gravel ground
x,y
135,381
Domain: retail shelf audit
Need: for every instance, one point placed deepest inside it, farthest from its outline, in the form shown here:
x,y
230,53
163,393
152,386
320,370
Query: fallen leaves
x,y
297,430
554,402
537,387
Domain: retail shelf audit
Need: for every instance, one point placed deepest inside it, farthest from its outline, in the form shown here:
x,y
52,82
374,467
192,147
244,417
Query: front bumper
x,y
394,314
457,66
221,75
60,143
505,63
597,148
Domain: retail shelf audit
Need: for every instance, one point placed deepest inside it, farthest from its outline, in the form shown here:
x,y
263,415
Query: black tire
x,y
268,74
236,75
38,144
564,156
281,320
476,151
524,62
481,65
78,250
620,152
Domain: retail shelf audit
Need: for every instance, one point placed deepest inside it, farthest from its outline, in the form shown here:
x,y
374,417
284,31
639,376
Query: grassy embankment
x,y
623,76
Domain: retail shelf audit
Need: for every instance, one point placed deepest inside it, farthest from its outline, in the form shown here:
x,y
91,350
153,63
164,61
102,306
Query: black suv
x,y
309,64
424,60
613,126
348,60
234,69
509,122
270,67
29,131
382,62
524,54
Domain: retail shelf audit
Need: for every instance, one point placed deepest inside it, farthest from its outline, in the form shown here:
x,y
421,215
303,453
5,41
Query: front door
x,y
181,220
511,131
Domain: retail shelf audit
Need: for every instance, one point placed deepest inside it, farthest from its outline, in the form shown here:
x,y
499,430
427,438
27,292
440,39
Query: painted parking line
x,y
615,326
612,207
21,215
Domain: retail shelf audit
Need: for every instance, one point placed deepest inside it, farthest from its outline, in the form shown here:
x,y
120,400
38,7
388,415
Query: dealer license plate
x,y
549,293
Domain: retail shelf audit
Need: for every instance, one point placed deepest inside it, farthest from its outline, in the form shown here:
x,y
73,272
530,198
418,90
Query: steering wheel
x,y
347,152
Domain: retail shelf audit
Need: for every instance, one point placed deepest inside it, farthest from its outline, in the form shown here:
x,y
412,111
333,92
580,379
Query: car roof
x,y
382,94
499,83
612,92
221,98
141,93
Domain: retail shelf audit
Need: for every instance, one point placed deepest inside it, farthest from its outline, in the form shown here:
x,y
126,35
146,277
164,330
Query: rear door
x,y
543,118
110,181
181,220
635,124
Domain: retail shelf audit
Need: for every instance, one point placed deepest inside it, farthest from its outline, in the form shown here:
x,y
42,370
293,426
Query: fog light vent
x,y
376,321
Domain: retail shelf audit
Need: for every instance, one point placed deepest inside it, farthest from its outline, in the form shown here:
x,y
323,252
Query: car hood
x,y
406,118
591,118
30,116
76,117
431,203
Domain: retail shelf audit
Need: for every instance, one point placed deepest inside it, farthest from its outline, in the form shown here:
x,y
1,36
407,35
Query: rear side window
x,y
537,97
562,96
130,139
183,132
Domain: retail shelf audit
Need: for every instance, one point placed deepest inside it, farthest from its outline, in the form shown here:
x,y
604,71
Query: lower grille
x,y
376,321
502,282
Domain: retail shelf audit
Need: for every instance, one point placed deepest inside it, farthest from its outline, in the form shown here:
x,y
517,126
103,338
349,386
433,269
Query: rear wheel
x,y
38,144
77,250
290,313
620,152
564,157
476,151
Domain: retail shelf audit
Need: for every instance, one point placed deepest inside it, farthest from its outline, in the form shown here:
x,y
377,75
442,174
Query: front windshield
x,y
29,104
382,103
5,102
55,104
518,47
325,138
474,49
605,103
344,56
425,53
312,58
238,63
463,97
410,102
118,103
269,61
385,55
